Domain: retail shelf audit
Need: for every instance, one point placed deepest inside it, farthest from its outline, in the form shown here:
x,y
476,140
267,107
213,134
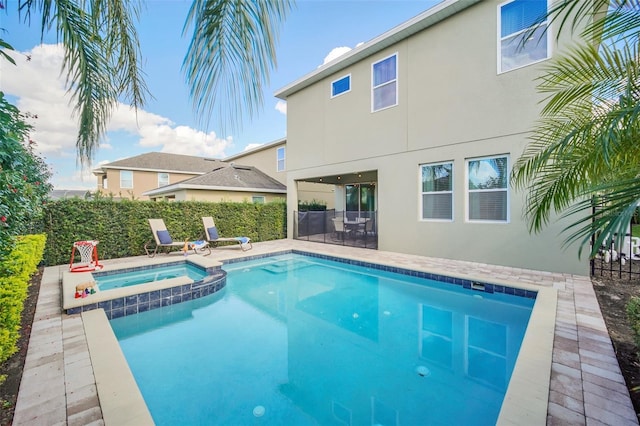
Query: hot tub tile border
x,y
146,301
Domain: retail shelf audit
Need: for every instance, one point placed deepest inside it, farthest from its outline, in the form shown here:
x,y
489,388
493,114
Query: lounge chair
x,y
211,235
162,238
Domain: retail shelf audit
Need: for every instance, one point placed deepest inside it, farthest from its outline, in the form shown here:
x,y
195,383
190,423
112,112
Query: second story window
x,y
280,157
163,179
384,83
126,179
340,86
519,19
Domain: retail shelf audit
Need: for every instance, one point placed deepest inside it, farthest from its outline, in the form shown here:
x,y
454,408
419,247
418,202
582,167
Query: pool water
x,y
303,341
156,273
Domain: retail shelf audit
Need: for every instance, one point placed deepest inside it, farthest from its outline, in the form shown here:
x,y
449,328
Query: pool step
x,y
281,267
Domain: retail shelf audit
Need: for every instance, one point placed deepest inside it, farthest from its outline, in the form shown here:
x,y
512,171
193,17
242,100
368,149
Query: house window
x,y
340,86
437,191
519,19
258,199
104,183
385,83
126,179
488,196
280,159
163,179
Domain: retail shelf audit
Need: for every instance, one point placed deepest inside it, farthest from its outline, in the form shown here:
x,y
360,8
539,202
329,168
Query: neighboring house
x,y
59,194
271,159
227,182
420,128
131,177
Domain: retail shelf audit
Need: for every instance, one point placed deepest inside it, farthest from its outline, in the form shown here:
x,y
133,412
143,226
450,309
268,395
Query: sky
x,y
314,32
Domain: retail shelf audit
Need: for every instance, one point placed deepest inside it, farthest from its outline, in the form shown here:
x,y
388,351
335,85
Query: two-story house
x,y
132,176
425,122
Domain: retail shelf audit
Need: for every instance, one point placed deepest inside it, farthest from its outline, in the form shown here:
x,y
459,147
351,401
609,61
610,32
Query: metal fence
x,y
348,228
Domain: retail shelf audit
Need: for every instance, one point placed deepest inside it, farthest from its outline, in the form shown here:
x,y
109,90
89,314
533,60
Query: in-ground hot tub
x,y
132,299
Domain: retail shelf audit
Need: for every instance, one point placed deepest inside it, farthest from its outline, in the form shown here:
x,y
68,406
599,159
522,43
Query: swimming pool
x,y
287,344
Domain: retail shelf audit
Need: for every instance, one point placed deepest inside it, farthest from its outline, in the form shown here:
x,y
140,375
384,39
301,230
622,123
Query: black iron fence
x,y
349,228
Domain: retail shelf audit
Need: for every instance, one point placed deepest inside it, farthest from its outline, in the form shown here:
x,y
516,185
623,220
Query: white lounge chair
x,y
161,238
212,236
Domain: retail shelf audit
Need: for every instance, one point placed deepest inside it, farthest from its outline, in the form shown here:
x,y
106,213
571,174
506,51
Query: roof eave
x,y
179,187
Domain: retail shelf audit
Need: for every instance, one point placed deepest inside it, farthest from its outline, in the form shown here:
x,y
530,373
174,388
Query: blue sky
x,y
314,31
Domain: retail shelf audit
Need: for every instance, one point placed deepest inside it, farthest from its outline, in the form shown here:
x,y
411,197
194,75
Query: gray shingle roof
x,y
162,161
230,177
235,176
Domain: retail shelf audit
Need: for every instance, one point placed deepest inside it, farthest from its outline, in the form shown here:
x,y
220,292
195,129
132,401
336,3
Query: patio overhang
x,y
350,178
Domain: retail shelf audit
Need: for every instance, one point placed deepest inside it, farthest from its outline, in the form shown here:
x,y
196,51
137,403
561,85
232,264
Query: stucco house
x,y
271,159
228,182
420,128
131,177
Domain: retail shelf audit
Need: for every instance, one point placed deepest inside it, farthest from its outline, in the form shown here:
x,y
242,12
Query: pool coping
x,y
525,398
58,384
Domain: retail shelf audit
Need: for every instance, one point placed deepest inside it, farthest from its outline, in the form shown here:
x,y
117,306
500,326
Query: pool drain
x,y
258,411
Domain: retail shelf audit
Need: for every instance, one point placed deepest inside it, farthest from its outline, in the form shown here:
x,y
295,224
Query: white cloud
x,y
39,88
335,53
281,107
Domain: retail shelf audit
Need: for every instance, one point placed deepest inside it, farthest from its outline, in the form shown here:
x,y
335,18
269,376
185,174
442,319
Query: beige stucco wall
x,y
222,196
142,181
265,160
452,106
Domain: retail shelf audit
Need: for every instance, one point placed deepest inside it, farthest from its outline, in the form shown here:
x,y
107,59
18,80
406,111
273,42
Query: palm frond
x,y
230,57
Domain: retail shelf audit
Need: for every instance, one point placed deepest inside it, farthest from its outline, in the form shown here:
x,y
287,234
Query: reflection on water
x,y
311,344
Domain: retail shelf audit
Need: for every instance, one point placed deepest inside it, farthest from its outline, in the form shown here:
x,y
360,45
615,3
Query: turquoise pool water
x,y
155,273
299,340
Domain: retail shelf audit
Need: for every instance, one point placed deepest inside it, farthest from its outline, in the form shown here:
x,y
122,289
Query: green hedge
x,y
633,313
15,273
123,229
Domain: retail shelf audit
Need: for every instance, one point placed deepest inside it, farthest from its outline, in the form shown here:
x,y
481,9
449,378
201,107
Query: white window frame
x,y
422,193
547,36
468,191
386,83
335,95
122,180
280,168
162,182
258,199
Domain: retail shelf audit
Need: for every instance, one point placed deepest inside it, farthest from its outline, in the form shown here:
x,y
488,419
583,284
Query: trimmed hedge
x,y
123,229
15,273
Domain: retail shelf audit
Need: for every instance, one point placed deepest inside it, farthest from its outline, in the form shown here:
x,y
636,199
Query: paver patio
x,y
59,387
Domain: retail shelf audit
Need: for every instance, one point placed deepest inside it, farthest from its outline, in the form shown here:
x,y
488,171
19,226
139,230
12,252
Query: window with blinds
x,y
437,191
487,187
522,34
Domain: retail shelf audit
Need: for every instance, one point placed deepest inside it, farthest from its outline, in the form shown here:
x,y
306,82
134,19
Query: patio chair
x,y
212,236
161,238
338,226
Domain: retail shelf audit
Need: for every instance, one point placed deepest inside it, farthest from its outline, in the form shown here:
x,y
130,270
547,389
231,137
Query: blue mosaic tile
x,y
143,307
106,305
176,299
156,303
186,297
117,313
165,292
143,298
166,301
131,300
131,309
117,303
176,291
154,295
74,311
